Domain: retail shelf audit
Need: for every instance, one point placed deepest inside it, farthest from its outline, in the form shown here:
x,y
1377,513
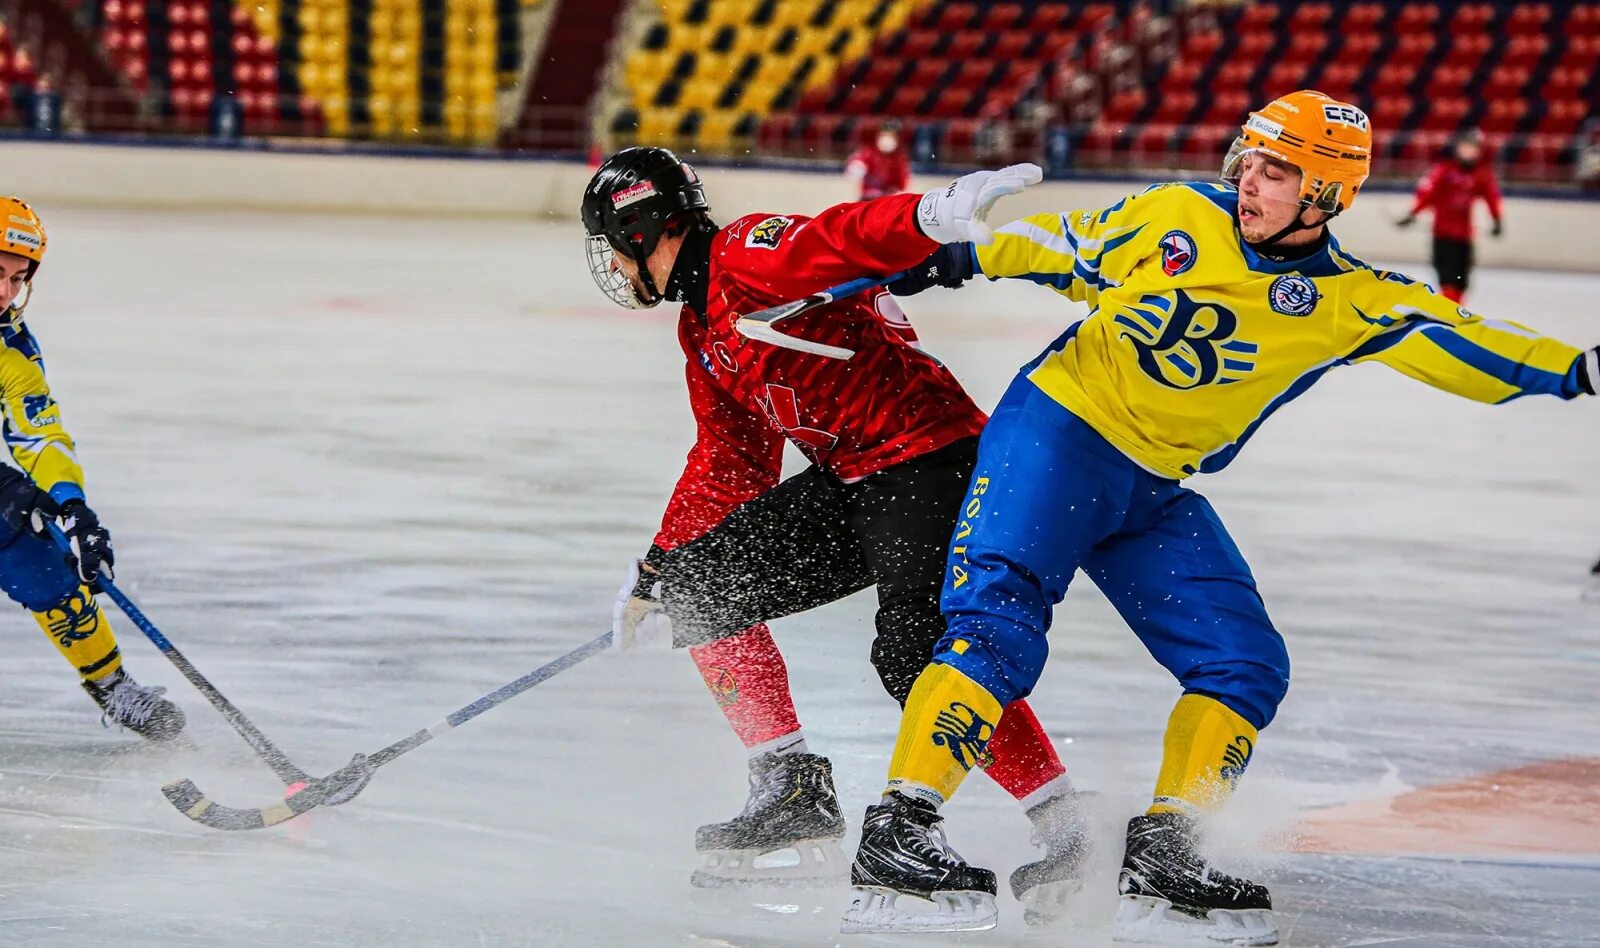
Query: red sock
x,y
747,675
1023,757
1453,293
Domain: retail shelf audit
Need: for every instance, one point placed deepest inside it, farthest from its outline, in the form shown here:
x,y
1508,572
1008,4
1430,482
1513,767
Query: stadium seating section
x,y
16,70
389,69
1091,83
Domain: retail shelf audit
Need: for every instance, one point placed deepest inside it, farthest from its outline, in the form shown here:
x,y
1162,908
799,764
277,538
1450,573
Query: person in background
x,y
1452,186
882,167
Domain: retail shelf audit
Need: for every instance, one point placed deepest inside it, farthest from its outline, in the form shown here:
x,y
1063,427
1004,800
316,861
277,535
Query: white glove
x,y
956,213
638,618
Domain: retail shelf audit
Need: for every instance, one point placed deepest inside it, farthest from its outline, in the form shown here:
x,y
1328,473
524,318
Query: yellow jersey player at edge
x,y
57,587
1212,305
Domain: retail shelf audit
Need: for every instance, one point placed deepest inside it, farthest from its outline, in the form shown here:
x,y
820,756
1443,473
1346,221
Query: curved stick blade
x,y
343,783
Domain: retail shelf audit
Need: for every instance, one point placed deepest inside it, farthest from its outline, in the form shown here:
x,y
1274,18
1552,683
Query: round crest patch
x,y
1177,252
1293,295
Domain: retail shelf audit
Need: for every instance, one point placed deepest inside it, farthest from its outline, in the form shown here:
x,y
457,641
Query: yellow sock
x,y
83,635
1206,749
944,733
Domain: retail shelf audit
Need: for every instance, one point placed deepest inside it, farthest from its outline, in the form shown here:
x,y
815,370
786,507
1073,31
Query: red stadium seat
x,y
951,103
1010,45
919,43
973,73
1002,16
906,100
955,16
860,100
965,45
1048,17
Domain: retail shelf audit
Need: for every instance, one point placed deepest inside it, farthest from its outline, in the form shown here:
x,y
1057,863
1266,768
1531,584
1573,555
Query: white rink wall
x,y
1541,233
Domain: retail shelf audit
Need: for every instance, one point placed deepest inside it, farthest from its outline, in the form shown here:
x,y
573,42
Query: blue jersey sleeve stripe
x,y
1387,340
1526,379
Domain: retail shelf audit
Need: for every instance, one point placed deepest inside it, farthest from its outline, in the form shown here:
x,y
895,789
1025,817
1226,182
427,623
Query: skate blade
x,y
809,863
1045,904
1143,919
876,911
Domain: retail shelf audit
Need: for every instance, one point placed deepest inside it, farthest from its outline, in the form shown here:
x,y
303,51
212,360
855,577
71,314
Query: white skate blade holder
x,y
882,911
808,863
1045,904
1142,919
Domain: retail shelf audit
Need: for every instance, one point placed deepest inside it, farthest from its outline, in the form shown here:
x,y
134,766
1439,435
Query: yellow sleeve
x,y
1070,251
1430,338
32,426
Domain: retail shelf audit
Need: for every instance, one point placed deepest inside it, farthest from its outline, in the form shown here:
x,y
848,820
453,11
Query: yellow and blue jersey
x,y
1193,339
32,423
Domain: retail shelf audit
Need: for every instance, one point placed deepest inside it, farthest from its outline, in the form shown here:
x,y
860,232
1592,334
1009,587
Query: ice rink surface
x,y
363,471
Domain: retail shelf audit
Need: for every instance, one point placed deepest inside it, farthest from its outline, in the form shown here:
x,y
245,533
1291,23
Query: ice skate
x,y
1591,592
1061,825
788,833
140,709
903,853
1171,894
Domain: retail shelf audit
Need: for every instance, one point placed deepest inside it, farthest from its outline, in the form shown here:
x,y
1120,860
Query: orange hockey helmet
x,y
1328,140
21,233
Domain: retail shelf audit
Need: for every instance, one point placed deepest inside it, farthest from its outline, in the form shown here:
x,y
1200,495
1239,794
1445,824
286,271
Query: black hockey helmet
x,y
627,207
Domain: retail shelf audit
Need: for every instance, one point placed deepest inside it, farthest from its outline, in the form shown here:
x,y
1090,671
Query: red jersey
x,y
1451,190
890,403
881,174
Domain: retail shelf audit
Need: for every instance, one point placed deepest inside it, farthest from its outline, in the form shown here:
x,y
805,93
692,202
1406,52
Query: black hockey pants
x,y
814,539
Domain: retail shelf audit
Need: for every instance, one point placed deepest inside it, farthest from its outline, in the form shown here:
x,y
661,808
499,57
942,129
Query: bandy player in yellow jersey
x,y
1212,306
58,588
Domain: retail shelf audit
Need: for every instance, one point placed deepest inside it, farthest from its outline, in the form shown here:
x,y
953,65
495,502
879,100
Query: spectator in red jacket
x,y
882,168
1451,188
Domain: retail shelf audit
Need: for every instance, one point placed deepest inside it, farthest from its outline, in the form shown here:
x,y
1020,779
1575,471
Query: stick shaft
x,y
497,697
264,748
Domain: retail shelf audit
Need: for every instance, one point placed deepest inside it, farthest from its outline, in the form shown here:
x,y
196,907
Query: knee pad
x,y
1252,690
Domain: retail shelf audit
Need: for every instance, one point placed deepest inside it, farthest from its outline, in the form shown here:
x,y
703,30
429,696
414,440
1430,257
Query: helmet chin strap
x,y
1293,227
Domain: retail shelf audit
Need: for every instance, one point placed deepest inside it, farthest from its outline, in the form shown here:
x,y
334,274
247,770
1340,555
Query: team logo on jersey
x,y
707,364
1184,343
1293,295
965,734
724,357
1178,253
40,409
768,232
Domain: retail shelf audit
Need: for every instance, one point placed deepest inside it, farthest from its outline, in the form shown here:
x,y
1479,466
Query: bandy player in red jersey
x,y
1451,189
891,437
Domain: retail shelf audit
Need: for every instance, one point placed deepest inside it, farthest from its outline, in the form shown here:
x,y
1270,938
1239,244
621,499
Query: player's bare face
x,y
660,262
1269,196
13,278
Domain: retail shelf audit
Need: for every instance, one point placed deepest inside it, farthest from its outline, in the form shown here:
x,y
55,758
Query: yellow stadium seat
x,y
774,70
758,96
693,37
822,71
720,66
794,12
716,129
645,70
659,126
674,11
700,93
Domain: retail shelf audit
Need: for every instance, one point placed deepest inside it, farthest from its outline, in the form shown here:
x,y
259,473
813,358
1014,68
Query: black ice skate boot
x,y
903,852
1061,825
792,806
142,710
1170,892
